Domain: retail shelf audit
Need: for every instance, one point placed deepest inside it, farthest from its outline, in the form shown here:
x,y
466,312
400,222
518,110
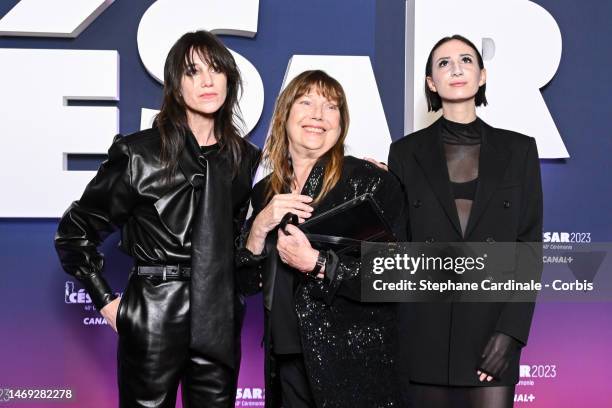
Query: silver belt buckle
x,y
164,273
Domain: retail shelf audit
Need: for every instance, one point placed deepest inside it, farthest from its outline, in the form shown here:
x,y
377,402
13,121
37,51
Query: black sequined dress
x,y
348,346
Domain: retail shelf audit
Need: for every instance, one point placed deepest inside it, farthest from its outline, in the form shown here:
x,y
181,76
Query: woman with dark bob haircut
x,y
323,347
179,193
465,181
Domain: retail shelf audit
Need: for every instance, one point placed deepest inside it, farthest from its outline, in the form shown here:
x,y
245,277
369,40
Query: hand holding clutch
x,y
295,250
271,216
289,218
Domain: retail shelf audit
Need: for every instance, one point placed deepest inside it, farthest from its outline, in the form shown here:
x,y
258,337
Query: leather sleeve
x,y
105,204
253,156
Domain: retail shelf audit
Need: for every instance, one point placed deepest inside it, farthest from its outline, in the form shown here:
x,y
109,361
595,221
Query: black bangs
x,y
172,118
210,50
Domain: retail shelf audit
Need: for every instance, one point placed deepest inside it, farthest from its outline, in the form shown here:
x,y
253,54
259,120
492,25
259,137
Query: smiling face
x,y
455,73
313,125
203,87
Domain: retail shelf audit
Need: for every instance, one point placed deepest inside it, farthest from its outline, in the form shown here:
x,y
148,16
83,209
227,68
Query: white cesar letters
x,y
368,132
51,18
38,129
523,42
166,20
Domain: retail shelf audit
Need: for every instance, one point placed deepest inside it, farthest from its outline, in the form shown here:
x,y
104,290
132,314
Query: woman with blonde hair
x,y
323,347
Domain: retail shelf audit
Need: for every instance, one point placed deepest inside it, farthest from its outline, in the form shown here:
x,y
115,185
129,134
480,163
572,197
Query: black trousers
x,y
153,354
295,388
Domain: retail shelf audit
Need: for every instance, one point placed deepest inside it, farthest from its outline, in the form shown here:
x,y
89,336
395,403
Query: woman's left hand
x,y
295,250
377,163
496,356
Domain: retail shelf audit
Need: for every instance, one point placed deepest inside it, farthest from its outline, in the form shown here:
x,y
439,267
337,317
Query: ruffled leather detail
x,y
177,206
175,209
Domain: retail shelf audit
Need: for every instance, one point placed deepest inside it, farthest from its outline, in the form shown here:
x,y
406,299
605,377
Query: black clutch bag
x,y
344,227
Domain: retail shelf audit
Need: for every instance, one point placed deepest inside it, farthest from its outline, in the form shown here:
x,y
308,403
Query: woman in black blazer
x,y
465,181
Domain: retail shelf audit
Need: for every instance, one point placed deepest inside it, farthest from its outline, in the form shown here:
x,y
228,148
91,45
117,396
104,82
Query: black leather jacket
x,y
155,216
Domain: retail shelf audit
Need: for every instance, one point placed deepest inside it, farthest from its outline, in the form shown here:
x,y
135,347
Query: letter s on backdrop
x,y
166,20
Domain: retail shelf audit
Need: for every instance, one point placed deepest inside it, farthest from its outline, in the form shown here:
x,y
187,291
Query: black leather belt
x,y
165,272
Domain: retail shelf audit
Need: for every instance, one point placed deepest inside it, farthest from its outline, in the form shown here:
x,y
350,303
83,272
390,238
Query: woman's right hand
x,y
272,214
109,312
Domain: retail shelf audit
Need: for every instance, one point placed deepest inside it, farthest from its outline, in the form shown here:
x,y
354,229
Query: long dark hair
x,y
172,119
434,102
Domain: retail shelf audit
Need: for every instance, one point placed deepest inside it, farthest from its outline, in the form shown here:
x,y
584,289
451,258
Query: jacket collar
x,y
314,181
312,187
494,158
492,164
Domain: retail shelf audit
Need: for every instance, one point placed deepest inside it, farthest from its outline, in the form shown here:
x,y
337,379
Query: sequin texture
x,y
348,346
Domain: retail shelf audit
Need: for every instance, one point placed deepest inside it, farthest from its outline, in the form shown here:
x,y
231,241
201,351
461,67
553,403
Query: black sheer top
x,y
462,150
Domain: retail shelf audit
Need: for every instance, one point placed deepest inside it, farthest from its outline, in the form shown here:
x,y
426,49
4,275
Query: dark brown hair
x,y
172,119
434,102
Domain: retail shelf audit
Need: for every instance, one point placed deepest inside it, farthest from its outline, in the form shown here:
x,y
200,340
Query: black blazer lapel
x,y
431,159
491,167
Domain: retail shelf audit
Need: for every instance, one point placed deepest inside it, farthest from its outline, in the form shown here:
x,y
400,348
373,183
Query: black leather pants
x,y
153,355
